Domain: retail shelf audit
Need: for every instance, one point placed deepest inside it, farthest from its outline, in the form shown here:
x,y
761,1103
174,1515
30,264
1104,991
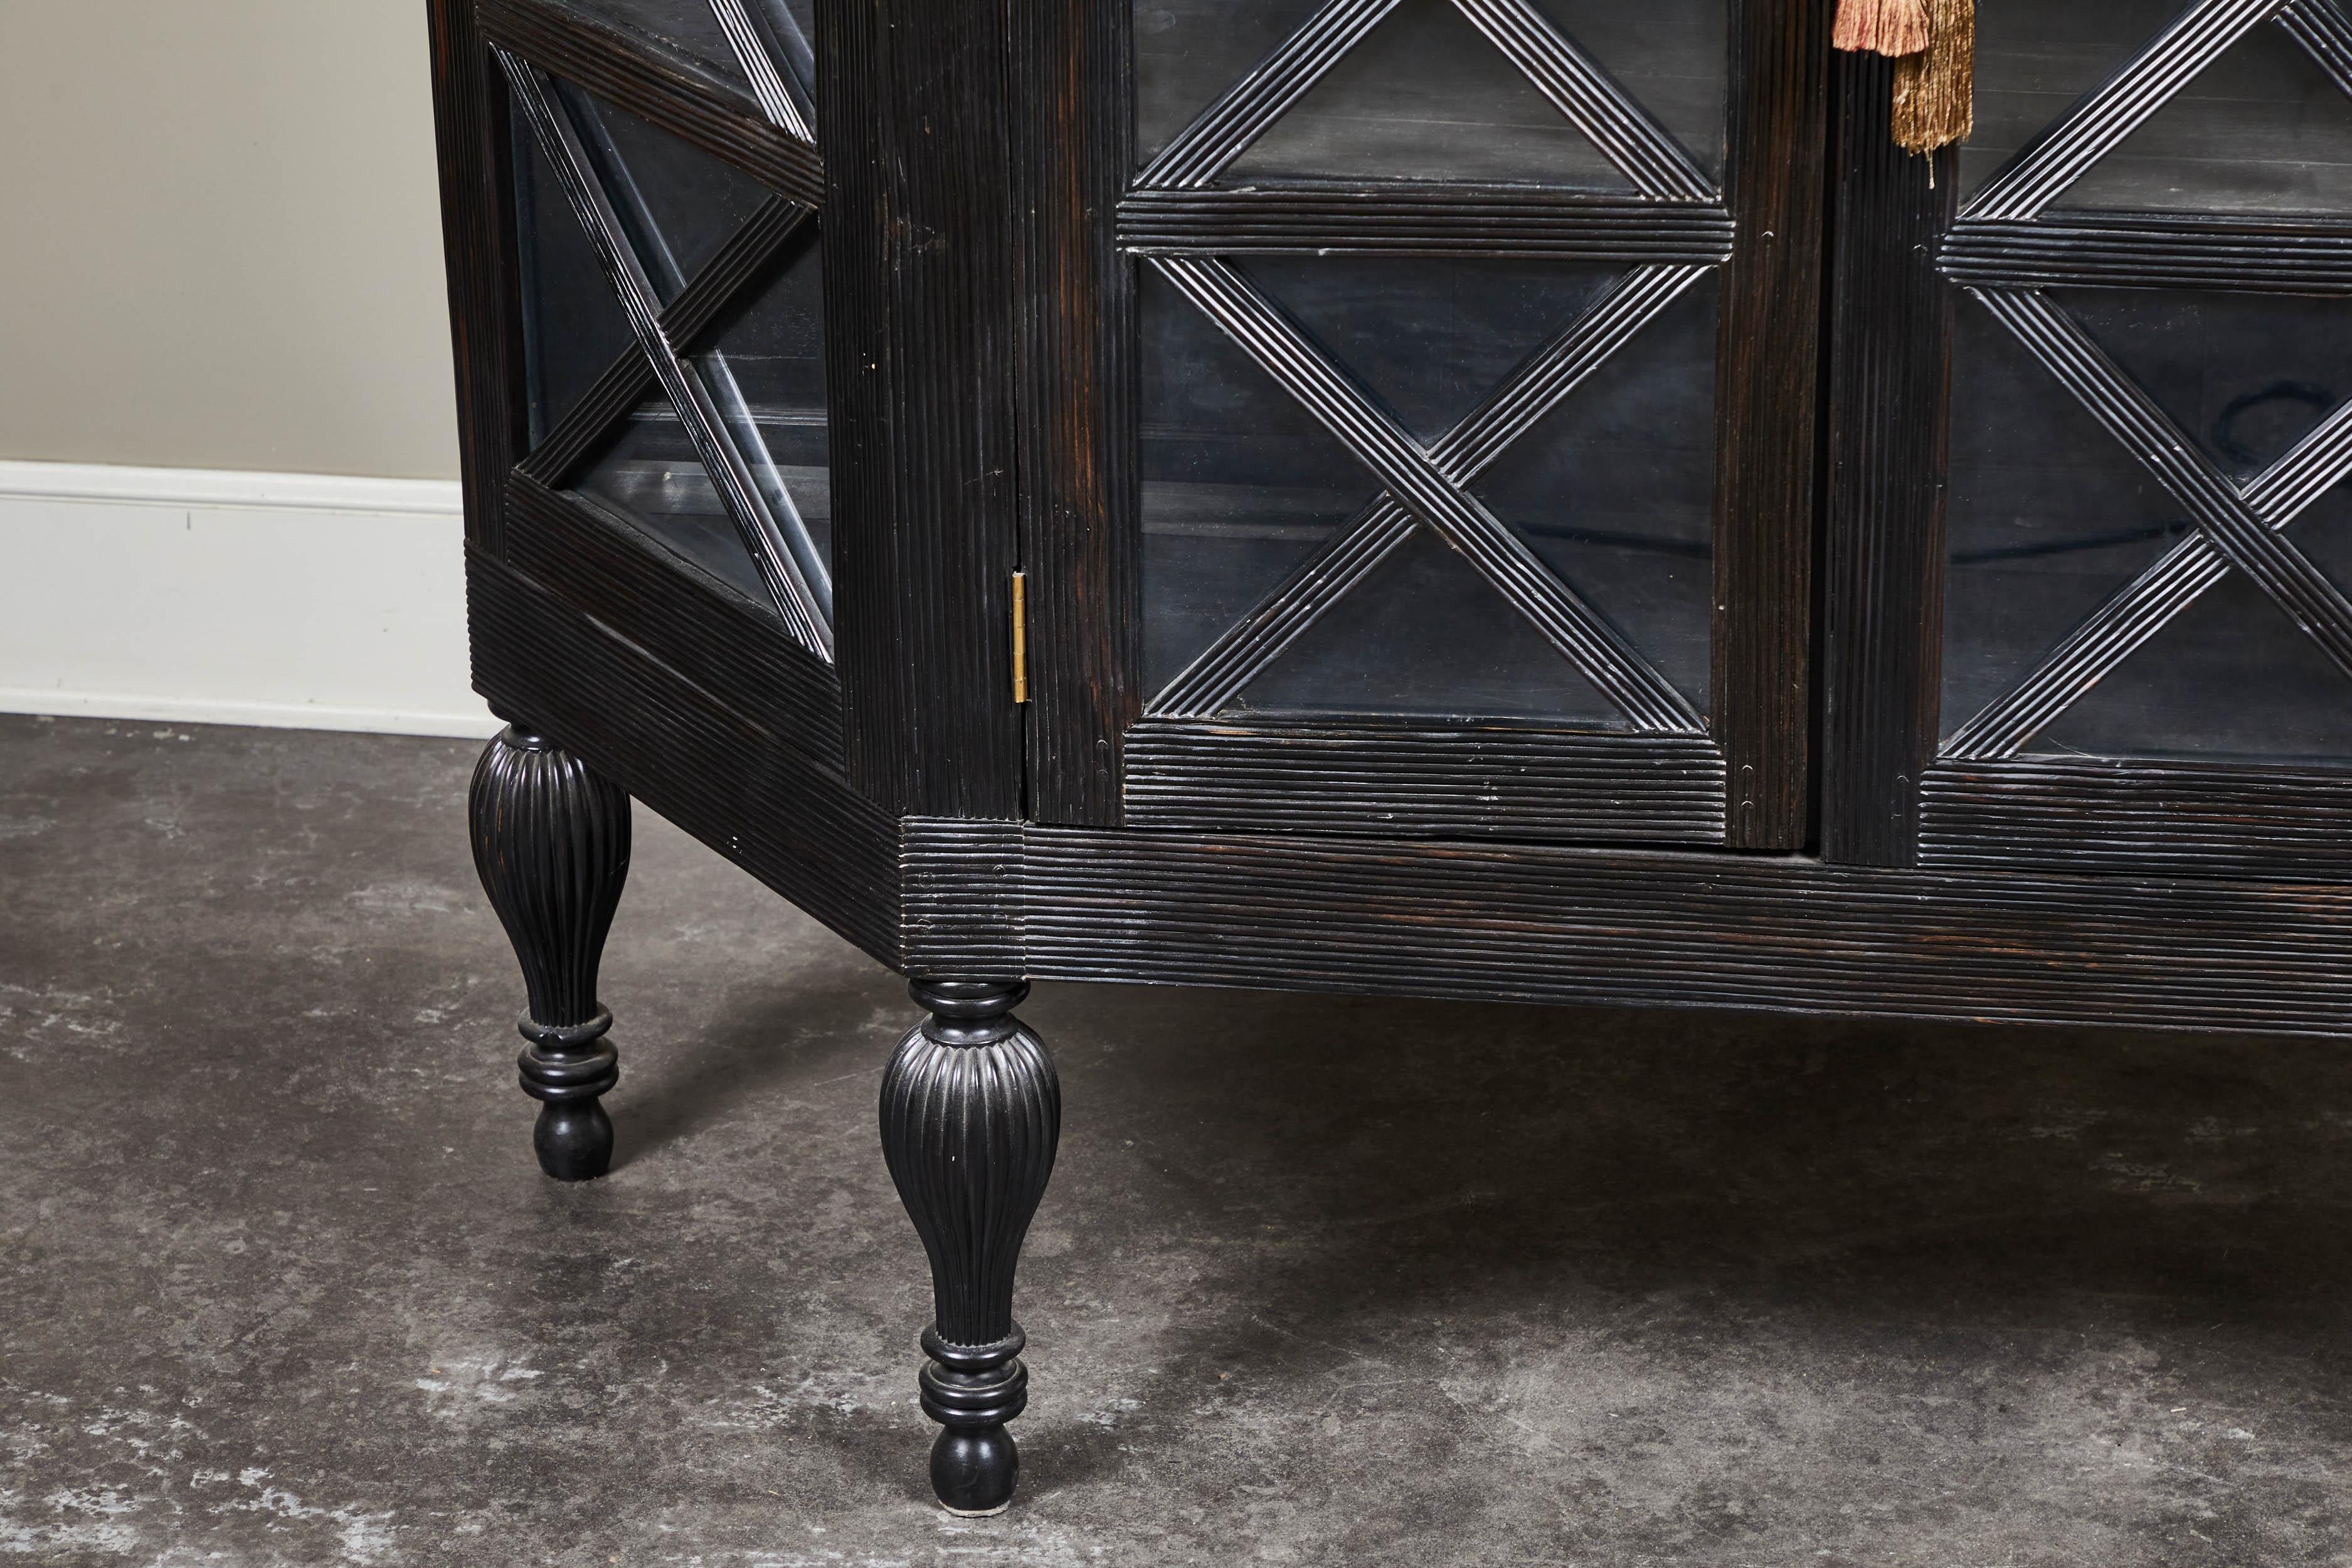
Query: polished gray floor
x,y
1318,1281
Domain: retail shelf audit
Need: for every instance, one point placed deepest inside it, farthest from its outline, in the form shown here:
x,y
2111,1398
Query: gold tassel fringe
x,y
1882,27
1935,91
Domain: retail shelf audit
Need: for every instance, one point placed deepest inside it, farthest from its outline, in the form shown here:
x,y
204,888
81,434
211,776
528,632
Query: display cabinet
x,y
1509,499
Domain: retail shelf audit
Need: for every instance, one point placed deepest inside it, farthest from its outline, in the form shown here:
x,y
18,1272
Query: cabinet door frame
x,y
1909,254
1096,759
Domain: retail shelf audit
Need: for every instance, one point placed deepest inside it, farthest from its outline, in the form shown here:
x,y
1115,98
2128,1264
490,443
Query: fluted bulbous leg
x,y
971,1115
551,842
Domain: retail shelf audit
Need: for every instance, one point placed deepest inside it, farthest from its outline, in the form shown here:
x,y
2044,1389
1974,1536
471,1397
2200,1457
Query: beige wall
x,y
219,239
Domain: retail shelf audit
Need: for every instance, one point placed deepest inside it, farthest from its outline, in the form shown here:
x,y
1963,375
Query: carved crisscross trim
x,y
1643,151
711,413
2239,529
1215,676
727,283
1426,487
2321,28
781,100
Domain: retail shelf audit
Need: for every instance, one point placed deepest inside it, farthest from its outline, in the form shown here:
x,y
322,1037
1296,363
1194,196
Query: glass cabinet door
x,y
1428,303
2148,546
2145,652
673,307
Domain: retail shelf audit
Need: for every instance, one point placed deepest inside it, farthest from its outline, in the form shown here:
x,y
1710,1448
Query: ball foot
x,y
574,1141
973,1471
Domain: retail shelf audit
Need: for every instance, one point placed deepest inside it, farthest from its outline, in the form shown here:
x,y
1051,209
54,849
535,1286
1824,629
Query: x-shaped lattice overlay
x,y
2238,527
670,350
1428,486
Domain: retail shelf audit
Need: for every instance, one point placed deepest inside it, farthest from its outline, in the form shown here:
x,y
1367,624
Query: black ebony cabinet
x,y
1526,498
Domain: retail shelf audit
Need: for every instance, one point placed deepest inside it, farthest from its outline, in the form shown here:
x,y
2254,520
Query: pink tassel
x,y
1882,27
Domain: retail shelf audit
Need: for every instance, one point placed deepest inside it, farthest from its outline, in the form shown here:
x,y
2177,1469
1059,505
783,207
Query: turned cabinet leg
x,y
970,1114
551,842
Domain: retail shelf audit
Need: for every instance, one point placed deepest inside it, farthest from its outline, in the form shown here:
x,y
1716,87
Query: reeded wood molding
x,y
1399,220
1633,928
1767,361
2282,256
603,564
781,97
472,145
1081,538
2325,34
1882,559
960,900
922,316
1522,782
661,88
2140,818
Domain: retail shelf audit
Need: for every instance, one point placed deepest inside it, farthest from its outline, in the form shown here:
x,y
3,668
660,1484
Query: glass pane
x,y
572,324
2047,516
651,476
1424,97
1614,489
2323,530
1430,338
679,205
1187,52
687,26
1424,635
2261,129
2230,677
1239,484
2034,58
770,366
2245,375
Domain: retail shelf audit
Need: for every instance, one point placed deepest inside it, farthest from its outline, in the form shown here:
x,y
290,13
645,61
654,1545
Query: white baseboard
x,y
303,601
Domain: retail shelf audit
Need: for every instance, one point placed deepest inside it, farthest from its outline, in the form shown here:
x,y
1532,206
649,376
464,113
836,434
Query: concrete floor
x,y
1318,1281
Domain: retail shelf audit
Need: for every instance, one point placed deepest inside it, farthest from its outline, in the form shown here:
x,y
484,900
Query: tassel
x,y
1882,27
1935,91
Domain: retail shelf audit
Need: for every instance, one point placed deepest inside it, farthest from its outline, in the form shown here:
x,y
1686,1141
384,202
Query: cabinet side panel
x,y
1072,86
1890,375
469,117
919,339
1768,358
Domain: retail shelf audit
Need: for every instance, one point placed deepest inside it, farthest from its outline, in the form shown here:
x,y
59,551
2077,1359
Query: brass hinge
x,y
1020,636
